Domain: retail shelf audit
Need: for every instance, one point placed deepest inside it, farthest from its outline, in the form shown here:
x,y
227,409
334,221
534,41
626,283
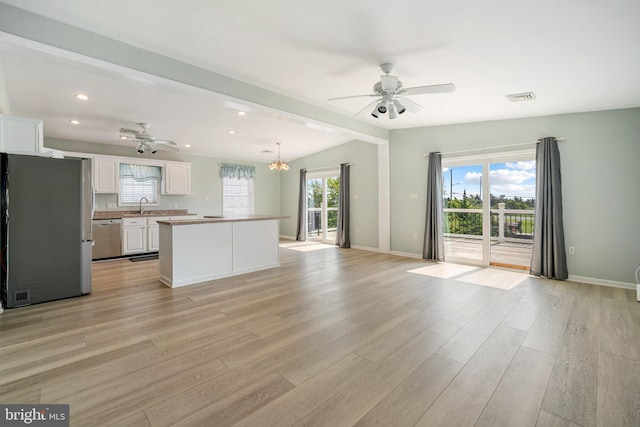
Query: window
x,y
138,181
238,196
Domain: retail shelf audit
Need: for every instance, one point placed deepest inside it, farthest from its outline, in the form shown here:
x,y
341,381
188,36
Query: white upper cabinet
x,y
177,178
105,174
20,135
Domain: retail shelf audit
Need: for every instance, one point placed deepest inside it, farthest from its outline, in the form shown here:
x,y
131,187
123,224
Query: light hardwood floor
x,y
333,337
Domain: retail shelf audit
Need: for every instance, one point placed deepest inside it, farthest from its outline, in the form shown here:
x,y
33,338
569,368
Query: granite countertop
x,y
133,214
211,219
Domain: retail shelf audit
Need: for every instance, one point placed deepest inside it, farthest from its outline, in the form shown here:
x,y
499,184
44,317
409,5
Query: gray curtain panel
x,y
433,238
343,239
301,228
549,258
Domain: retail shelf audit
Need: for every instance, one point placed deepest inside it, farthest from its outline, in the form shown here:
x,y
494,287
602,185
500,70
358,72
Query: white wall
x,y
206,183
600,178
363,157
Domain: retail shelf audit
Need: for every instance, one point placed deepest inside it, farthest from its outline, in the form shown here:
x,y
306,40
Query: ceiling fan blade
x,y
369,105
419,90
162,146
164,142
353,96
412,106
127,131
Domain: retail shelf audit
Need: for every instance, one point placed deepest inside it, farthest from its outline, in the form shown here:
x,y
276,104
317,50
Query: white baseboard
x,y
602,282
365,248
406,254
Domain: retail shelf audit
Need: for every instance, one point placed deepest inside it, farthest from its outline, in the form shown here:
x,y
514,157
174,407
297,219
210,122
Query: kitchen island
x,y
197,250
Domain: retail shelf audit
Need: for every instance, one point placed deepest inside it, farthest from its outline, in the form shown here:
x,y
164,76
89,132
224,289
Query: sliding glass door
x,y
512,199
322,205
463,213
488,208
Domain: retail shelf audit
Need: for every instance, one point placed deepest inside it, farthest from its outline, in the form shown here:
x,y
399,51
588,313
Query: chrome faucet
x,y
141,208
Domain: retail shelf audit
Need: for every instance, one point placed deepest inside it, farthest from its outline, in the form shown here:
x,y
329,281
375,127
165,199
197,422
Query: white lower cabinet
x,y
153,235
134,236
142,234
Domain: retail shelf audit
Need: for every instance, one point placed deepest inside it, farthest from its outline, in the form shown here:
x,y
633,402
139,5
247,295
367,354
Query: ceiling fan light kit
x,y
393,111
399,107
383,106
391,91
143,146
146,142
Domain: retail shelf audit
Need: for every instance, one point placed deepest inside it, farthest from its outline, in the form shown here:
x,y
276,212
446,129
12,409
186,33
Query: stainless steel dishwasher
x,y
106,235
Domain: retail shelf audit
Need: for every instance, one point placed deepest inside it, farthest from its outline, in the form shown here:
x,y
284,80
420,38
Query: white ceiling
x,y
575,55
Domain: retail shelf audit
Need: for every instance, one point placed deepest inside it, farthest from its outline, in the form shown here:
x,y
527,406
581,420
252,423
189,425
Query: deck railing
x,y
506,224
314,221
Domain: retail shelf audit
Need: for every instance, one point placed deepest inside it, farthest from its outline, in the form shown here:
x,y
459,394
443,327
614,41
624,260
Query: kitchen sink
x,y
149,213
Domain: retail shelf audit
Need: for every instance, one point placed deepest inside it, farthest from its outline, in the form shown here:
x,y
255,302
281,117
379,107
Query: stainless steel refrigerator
x,y
47,207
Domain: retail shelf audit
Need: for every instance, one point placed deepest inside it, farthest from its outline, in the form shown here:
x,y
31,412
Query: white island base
x,y
195,251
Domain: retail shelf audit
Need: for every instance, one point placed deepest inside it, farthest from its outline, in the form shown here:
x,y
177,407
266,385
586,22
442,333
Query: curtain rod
x,y
326,168
470,150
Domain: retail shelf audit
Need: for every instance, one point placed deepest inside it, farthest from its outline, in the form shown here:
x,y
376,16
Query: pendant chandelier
x,y
278,165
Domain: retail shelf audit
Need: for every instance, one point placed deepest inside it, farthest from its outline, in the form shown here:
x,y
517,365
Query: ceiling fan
x,y
392,96
146,141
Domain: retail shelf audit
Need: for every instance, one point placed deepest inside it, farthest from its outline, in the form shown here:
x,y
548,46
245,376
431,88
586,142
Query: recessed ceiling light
x,y
81,96
232,132
241,113
74,122
124,137
187,145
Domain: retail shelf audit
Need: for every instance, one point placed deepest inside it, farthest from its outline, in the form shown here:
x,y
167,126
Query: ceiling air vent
x,y
128,131
524,96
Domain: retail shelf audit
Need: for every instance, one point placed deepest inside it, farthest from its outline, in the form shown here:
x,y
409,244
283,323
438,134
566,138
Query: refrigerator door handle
x,y
89,200
93,201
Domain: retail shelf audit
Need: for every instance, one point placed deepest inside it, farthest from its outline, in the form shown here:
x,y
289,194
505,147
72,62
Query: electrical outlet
x,y
175,205
207,197
111,205
415,236
413,196
572,250
357,230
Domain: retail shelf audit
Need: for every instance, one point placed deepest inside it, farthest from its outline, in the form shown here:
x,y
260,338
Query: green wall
x,y
600,173
600,177
363,157
206,183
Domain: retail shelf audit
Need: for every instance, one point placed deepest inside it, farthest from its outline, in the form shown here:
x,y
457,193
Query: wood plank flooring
x,y
333,337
